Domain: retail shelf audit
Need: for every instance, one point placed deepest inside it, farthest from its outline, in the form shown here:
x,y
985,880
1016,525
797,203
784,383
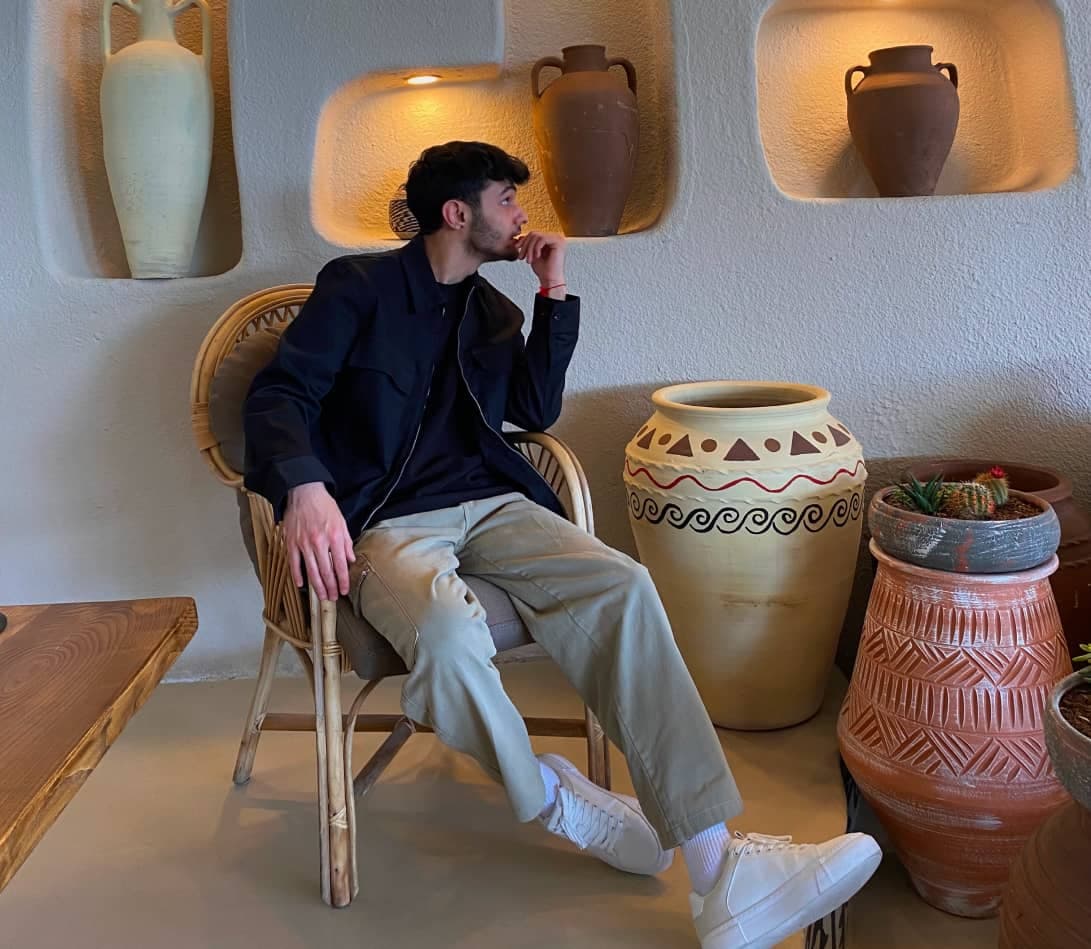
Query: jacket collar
x,y
424,292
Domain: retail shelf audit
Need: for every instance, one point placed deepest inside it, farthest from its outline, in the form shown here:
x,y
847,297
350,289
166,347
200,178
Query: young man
x,y
375,434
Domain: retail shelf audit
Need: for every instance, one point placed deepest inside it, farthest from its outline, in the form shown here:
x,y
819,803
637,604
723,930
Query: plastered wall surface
x,y
957,324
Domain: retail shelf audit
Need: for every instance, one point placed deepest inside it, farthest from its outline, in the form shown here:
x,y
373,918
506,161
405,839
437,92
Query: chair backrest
x,y
241,343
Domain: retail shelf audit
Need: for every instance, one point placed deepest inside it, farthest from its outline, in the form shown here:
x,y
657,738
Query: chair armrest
x,y
562,471
284,607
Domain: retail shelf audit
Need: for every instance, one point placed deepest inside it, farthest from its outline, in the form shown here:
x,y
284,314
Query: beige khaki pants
x,y
593,609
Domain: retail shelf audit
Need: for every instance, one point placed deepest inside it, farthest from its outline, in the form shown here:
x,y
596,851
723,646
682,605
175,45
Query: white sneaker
x,y
771,888
610,826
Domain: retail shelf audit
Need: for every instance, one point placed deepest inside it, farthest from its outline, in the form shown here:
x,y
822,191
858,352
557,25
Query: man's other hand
x,y
315,532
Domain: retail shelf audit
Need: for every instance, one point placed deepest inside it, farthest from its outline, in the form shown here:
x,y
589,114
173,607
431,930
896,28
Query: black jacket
x,y
343,399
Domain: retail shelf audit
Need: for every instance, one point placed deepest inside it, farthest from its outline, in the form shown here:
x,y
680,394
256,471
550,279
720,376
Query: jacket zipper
x,y
420,426
481,412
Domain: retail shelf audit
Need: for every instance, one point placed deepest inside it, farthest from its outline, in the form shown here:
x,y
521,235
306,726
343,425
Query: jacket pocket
x,y
382,368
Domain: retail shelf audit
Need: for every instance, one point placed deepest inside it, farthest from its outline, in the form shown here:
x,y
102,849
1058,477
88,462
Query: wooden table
x,y
71,677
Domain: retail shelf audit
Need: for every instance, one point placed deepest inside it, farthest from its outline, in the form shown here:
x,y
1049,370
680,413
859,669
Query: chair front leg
x,y
598,751
336,837
248,748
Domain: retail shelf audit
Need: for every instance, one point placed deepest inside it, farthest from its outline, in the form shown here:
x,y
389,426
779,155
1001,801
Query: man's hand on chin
x,y
545,253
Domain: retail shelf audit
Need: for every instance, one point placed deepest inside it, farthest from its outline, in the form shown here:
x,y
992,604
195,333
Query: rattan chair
x,y
243,338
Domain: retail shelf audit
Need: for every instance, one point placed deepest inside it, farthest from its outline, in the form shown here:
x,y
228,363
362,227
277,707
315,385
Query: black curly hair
x,y
457,170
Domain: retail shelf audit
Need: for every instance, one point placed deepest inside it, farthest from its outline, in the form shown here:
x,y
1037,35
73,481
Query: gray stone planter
x,y
1069,750
945,543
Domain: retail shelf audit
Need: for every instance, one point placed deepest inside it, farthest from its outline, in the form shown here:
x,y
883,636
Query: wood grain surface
x,y
71,677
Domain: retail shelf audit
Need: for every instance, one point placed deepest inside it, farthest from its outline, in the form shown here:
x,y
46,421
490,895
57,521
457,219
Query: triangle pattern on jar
x,y
741,451
681,447
839,437
646,441
800,446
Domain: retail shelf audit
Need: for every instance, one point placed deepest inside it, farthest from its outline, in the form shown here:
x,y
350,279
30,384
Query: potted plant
x,y
1068,729
1045,906
978,526
942,727
1072,581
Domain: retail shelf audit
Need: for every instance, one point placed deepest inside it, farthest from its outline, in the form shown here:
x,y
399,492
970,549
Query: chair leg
x,y
248,748
336,838
598,751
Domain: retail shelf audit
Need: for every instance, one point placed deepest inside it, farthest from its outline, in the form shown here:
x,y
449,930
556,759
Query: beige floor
x,y
159,850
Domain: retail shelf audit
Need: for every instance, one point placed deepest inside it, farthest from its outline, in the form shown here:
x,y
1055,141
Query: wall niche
x,y
78,231
374,125
1017,125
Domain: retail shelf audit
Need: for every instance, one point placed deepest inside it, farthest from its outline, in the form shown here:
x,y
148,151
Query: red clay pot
x,y
942,725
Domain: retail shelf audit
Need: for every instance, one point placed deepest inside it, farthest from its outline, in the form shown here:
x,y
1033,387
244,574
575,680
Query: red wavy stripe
x,y
666,487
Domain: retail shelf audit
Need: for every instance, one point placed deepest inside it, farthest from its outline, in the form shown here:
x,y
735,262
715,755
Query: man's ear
x,y
456,214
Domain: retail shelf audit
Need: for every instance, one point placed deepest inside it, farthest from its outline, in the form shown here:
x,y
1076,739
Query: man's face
x,y
494,227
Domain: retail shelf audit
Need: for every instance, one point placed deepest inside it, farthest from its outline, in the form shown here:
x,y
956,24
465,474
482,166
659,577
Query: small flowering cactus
x,y
996,480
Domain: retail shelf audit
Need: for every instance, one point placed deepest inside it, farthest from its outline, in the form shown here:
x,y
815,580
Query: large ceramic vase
x,y
1072,581
903,117
746,500
1045,906
156,101
586,126
942,724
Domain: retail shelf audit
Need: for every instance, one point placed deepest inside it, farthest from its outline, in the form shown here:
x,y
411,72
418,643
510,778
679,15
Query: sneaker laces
x,y
583,822
759,843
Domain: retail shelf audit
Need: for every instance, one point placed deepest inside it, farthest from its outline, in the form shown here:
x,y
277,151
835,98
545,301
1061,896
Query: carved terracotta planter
x,y
745,499
903,117
942,725
1072,581
1046,904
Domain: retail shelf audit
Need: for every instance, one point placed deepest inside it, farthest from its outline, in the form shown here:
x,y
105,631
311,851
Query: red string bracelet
x,y
542,291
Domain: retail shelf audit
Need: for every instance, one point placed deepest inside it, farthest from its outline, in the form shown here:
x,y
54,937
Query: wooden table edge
x,y
18,840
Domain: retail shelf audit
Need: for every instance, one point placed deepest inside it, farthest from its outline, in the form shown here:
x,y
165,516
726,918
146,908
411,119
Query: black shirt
x,y
446,466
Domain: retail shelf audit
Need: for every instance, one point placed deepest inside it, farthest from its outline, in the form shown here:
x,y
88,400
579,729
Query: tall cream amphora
x,y
745,499
156,101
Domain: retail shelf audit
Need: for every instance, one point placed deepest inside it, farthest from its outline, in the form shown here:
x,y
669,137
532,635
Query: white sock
x,y
704,856
551,781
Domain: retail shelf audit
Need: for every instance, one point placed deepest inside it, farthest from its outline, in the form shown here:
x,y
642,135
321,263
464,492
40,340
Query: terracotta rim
x,y
784,398
1062,488
1066,685
1034,574
1034,500
901,46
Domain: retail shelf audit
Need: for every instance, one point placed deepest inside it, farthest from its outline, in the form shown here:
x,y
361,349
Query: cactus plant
x,y
968,501
926,498
996,480
1085,657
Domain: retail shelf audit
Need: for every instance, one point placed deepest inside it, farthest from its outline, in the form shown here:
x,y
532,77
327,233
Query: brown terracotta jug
x,y
1046,904
903,117
586,126
942,724
1072,581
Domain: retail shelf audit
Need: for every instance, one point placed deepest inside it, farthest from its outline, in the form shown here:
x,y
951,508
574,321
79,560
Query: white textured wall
x,y
953,324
